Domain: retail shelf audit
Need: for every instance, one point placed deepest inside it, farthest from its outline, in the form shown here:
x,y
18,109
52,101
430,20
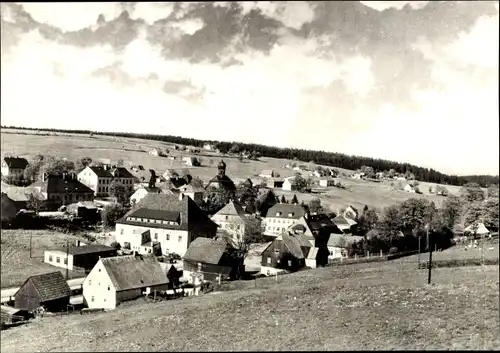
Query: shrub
x,y
115,245
393,250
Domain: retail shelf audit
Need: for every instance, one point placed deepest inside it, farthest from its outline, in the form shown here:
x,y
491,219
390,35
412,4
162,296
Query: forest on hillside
x,y
332,159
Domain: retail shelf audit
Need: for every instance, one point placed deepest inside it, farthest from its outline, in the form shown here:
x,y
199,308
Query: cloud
x,y
384,5
417,86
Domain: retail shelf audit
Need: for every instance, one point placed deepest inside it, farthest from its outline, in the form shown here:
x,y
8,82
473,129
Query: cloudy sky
x,y
408,81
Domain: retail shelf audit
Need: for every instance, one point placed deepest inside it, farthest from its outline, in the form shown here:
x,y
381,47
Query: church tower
x,y
222,168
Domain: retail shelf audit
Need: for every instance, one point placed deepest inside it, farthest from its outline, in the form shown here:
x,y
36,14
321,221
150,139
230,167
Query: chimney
x,y
77,243
181,195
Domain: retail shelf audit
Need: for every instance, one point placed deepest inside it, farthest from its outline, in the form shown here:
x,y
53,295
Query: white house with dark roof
x,y
14,167
236,221
114,280
173,221
281,216
345,224
99,179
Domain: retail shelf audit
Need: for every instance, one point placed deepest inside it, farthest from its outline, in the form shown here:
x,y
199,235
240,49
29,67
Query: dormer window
x,y
278,214
290,214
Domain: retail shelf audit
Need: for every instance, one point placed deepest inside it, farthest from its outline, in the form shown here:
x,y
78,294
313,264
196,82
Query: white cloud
x,y
291,13
189,26
384,5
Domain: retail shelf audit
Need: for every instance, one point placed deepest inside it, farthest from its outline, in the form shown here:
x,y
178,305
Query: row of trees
x,y
321,157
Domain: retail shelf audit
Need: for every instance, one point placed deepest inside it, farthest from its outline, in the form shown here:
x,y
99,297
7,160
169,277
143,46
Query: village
x,y
165,235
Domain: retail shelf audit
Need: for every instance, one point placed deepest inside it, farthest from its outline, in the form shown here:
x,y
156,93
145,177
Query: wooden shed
x,y
49,290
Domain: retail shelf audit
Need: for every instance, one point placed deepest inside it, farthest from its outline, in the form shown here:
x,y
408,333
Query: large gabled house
x,y
236,221
281,216
65,189
114,280
286,253
351,213
345,224
99,179
207,260
173,221
14,167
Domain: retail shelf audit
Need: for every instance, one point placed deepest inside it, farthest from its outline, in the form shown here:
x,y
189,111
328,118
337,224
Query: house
x,y
267,173
281,216
196,194
99,179
9,209
380,175
171,173
173,220
137,168
312,257
236,221
20,196
317,173
326,182
274,183
345,224
114,280
358,176
14,167
58,190
84,209
154,152
409,188
189,161
283,254
300,168
400,177
142,191
478,229
78,258
338,244
290,184
209,147
351,212
207,259
49,290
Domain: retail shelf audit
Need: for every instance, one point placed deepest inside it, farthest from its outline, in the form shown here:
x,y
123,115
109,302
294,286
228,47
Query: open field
x,y
135,151
387,306
17,266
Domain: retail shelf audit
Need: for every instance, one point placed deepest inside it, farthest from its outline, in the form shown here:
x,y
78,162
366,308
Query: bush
x,y
393,250
115,245
111,214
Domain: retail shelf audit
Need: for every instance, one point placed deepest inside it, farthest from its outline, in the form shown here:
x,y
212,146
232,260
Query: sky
x,y
413,82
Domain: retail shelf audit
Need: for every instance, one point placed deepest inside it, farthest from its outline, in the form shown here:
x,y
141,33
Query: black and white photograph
x,y
249,176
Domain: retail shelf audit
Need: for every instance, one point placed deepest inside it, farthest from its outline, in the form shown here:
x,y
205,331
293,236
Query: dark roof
x,y
233,208
322,222
191,214
342,220
121,172
60,184
178,182
292,244
101,172
302,240
16,162
130,272
172,216
50,286
87,249
205,250
342,241
285,209
223,180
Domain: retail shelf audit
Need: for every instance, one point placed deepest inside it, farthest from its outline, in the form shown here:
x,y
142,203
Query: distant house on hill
x,y
358,175
190,161
154,152
209,147
409,188
274,183
49,290
351,212
290,184
326,182
345,224
267,173
114,280
14,167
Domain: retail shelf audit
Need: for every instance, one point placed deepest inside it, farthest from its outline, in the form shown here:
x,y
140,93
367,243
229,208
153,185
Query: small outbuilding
x,y
49,290
78,258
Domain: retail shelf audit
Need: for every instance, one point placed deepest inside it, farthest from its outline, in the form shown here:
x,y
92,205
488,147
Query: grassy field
x,y
135,151
17,266
387,306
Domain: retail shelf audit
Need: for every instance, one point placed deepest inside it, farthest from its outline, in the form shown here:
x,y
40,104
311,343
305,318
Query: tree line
x,y
333,159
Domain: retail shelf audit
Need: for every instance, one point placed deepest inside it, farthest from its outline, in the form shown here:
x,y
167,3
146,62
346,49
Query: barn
x,y
78,258
49,290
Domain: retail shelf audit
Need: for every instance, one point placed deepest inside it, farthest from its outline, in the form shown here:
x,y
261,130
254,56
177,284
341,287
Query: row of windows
x,y
155,236
109,181
149,220
269,261
273,220
98,283
58,259
277,229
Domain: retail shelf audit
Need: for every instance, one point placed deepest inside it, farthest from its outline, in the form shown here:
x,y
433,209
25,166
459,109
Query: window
x,y
276,251
268,272
99,270
290,263
50,258
65,260
58,259
90,282
180,238
156,236
331,252
109,287
278,261
168,236
92,299
121,231
268,260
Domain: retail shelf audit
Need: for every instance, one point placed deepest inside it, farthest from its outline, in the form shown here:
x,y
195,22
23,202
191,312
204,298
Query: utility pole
x,y
31,239
67,260
419,238
430,258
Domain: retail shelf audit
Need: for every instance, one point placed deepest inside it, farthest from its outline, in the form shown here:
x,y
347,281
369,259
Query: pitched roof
x,y
285,209
121,172
341,220
16,162
232,209
172,216
224,180
101,172
131,272
292,244
205,250
189,211
21,194
267,172
50,286
303,240
342,241
60,184
87,249
481,229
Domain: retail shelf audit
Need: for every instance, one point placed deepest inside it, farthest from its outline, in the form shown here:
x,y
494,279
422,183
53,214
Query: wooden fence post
x,y
355,256
380,253
368,254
